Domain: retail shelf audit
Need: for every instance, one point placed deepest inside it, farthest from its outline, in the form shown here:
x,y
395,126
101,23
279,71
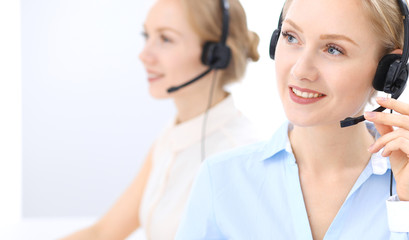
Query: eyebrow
x,y
294,25
338,37
325,36
161,29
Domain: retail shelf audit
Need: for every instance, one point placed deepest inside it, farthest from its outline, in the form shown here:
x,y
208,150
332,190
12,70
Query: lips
x,y
154,76
305,96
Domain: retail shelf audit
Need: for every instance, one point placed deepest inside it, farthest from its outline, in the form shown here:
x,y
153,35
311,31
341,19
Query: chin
x,y
158,93
313,116
311,120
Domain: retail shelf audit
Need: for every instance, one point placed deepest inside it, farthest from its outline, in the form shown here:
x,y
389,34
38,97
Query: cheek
x,y
280,60
281,77
353,88
183,64
283,64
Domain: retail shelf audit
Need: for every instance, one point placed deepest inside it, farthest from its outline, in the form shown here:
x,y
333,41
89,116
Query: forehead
x,y
344,17
168,14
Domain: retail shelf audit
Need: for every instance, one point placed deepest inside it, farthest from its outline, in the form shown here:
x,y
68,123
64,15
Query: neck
x,y
329,148
195,100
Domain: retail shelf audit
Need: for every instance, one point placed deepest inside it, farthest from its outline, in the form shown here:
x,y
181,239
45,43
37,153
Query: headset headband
x,y
405,12
225,20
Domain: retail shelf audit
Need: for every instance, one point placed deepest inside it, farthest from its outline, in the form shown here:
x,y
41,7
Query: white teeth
x,y
150,75
305,94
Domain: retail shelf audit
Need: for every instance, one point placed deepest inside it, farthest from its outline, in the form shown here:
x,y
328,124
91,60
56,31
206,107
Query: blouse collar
x,y
276,144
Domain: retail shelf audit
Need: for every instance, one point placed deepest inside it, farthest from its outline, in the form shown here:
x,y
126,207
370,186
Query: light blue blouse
x,y
254,193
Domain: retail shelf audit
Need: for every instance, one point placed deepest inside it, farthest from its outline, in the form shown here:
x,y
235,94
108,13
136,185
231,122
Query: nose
x,y
305,67
147,55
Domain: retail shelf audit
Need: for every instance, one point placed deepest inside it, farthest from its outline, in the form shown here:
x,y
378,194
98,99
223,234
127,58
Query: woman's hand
x,y
394,141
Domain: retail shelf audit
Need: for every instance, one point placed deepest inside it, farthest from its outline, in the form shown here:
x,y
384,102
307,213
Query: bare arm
x,y
123,218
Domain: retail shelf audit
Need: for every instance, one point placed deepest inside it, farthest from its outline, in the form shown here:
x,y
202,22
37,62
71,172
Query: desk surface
x,y
49,229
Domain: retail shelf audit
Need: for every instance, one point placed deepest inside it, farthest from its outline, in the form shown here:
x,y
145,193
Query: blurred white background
x,y
87,117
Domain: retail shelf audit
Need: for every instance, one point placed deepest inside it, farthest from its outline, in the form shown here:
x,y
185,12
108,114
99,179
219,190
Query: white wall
x,y
88,119
10,113
257,96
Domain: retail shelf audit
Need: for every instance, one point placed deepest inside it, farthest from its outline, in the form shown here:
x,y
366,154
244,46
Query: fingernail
x,y
381,99
370,114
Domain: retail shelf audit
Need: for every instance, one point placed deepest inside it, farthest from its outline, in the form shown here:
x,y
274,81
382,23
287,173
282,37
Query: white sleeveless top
x,y
176,161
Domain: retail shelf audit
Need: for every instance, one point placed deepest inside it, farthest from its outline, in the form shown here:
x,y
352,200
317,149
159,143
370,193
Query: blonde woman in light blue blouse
x,y
314,179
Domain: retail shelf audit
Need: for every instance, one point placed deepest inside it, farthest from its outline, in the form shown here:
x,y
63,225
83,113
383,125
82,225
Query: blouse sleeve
x,y
398,218
198,220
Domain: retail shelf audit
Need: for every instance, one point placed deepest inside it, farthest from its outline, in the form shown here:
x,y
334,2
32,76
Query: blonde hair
x,y
205,16
386,18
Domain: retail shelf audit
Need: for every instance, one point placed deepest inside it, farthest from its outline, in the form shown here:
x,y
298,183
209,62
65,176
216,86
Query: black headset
x,y
216,55
392,71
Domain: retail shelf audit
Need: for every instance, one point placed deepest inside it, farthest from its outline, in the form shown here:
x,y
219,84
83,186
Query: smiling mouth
x,y
301,94
151,75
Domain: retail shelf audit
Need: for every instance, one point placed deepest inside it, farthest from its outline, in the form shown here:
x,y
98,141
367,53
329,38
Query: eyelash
x,y
328,46
287,34
162,37
340,50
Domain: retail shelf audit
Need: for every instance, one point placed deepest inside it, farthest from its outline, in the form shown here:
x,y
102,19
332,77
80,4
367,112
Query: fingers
x,y
399,136
401,121
383,129
390,103
394,142
391,140
400,143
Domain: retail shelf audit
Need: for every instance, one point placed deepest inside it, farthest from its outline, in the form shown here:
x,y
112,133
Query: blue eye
x,y
165,39
334,50
290,38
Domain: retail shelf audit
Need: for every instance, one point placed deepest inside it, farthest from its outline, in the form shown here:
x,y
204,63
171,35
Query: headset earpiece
x,y
273,43
216,55
275,37
400,82
392,72
386,72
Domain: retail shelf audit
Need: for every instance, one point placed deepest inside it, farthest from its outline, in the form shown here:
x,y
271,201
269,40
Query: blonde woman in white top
x,y
175,32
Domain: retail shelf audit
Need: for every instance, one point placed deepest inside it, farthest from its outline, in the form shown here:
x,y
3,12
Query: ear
x,y
397,51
